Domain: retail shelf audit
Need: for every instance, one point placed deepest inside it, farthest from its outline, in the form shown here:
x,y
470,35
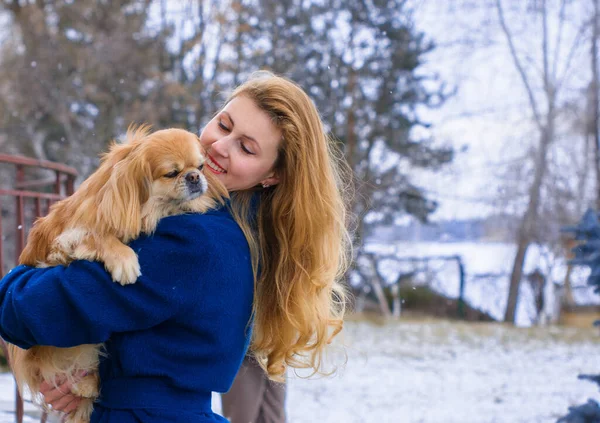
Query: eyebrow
x,y
245,136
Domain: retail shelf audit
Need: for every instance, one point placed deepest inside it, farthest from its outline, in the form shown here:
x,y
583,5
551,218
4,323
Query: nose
x,y
220,146
192,178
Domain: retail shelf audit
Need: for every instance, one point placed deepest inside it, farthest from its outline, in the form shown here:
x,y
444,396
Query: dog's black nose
x,y
193,178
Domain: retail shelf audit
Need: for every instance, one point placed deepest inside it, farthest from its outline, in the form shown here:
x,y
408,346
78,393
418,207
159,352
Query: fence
x,y
36,185
376,280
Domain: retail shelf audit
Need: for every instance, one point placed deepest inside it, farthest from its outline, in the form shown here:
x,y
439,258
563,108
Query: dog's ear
x,y
118,151
125,191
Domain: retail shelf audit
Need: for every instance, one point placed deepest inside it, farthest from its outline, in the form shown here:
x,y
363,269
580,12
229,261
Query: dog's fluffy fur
x,y
149,176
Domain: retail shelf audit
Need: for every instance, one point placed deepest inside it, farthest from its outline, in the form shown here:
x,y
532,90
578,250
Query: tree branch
x,y
546,76
561,21
519,66
574,46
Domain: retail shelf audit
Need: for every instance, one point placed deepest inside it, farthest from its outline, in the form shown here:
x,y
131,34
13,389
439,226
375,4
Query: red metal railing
x,y
29,198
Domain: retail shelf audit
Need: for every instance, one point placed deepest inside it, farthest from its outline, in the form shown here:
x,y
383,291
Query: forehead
x,y
175,147
252,121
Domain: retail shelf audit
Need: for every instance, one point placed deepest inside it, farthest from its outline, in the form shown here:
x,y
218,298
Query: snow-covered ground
x,y
7,403
440,372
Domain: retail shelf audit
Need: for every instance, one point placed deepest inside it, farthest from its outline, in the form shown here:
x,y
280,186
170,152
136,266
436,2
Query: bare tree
x,y
594,113
543,107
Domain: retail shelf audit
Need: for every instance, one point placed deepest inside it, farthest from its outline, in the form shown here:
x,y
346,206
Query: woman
x,y
181,331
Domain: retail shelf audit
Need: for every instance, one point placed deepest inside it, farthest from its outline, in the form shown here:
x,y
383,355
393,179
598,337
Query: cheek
x,y
204,141
253,173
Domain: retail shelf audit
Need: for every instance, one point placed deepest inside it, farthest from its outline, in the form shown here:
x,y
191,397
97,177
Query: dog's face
x,y
176,160
164,166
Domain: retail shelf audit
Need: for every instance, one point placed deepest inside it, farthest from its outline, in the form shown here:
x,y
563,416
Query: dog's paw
x,y
125,268
82,413
86,387
126,273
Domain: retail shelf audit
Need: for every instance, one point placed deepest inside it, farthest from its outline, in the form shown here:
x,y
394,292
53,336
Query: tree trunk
x,y
358,206
595,113
351,148
545,125
567,298
515,277
525,234
378,289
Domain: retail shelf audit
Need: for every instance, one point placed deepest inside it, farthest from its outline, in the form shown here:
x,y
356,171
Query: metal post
x,y
38,207
1,244
396,307
461,293
20,225
70,185
57,183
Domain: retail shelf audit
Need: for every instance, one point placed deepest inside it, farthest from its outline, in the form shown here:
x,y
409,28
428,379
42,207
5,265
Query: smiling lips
x,y
214,166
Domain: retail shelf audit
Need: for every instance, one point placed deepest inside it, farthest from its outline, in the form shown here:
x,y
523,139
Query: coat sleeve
x,y
80,304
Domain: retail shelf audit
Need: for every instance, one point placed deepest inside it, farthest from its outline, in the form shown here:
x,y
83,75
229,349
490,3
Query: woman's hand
x,y
60,396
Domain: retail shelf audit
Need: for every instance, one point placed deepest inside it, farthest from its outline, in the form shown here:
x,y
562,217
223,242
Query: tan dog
x,y
148,177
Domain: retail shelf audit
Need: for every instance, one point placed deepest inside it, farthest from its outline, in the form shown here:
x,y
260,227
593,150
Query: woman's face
x,y
241,144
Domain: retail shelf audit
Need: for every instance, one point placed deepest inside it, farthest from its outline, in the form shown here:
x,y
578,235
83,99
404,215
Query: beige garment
x,y
253,398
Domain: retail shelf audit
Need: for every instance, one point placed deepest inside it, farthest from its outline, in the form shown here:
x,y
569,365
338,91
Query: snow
x,y
7,402
436,371
487,267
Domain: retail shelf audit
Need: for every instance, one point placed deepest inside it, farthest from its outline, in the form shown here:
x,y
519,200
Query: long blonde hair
x,y
299,239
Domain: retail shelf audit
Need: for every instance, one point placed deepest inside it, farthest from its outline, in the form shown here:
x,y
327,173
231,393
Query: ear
x,y
124,193
271,180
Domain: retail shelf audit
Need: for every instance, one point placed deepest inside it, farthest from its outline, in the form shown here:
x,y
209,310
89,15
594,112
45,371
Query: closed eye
x,y
245,149
172,174
223,126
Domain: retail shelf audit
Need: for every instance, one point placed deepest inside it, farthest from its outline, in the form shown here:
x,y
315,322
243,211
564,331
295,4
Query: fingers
x,y
66,404
59,396
54,393
71,406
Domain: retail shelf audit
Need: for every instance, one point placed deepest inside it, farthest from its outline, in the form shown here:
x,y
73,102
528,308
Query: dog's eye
x,y
201,166
172,174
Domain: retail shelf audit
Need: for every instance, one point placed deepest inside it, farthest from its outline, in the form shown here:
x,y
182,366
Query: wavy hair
x,y
299,234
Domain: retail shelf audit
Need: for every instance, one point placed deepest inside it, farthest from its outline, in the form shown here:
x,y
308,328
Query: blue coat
x,y
177,334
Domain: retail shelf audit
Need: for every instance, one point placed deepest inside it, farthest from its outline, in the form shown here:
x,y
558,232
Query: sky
x,y
488,121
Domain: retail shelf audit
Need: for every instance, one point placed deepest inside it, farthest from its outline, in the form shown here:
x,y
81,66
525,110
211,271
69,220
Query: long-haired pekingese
x,y
149,176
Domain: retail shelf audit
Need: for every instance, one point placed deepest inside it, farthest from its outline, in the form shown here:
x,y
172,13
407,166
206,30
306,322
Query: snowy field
x,y
440,372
